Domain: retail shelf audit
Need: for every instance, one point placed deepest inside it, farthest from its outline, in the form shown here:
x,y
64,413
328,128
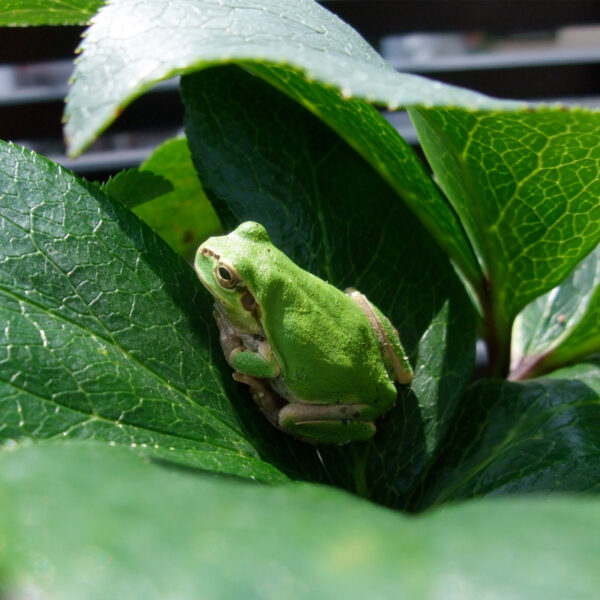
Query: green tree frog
x,y
320,363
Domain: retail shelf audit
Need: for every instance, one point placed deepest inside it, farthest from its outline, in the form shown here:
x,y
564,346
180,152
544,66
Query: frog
x,y
321,363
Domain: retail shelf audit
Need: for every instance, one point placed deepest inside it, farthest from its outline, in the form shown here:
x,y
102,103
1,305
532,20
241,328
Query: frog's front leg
x,y
328,423
264,397
257,361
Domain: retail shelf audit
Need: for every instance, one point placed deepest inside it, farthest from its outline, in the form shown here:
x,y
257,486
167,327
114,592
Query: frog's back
x,y
331,351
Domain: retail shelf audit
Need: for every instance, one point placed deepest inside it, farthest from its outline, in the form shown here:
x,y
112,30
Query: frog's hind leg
x,y
328,424
392,351
312,423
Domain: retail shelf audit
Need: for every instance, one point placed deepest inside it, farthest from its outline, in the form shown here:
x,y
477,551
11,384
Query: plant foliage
x,y
133,460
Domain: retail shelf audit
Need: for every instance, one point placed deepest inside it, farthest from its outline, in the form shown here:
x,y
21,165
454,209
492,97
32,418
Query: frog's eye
x,y
226,276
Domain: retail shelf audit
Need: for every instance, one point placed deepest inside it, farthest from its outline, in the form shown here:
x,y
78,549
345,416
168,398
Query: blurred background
x,y
528,49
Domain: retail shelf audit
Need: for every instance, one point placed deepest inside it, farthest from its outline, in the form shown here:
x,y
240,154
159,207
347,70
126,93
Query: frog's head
x,y
227,266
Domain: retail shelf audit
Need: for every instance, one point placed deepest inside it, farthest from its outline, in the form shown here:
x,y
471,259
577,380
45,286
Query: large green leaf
x,y
539,435
372,136
562,325
132,45
525,186
47,12
263,157
83,521
107,334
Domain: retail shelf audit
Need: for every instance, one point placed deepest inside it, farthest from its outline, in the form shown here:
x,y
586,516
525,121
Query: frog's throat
x,y
252,325
385,344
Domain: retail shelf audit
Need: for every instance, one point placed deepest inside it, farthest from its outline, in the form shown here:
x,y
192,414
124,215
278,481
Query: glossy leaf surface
x,y
525,186
133,44
562,325
108,334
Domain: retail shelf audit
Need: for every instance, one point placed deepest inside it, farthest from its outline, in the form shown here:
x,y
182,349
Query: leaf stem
x,y
536,366
527,369
497,336
360,465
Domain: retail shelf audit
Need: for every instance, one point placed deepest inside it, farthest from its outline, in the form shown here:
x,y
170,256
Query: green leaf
x,y
48,12
84,521
263,157
132,45
525,186
539,435
133,187
371,135
563,325
107,333
184,218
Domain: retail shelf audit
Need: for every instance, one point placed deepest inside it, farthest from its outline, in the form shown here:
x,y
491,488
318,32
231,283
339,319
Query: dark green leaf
x,y
132,45
368,132
133,187
48,12
83,521
539,435
525,186
107,334
563,325
184,218
262,157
